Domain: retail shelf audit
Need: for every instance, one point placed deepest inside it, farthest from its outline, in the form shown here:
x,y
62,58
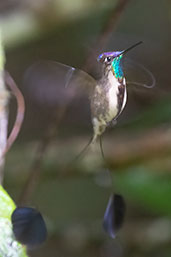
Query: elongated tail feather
x,y
115,210
83,151
101,149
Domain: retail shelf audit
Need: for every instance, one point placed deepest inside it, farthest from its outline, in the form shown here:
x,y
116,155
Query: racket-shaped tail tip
x,y
29,227
114,215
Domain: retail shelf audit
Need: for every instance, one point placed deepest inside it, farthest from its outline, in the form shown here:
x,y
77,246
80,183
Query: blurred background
x,y
57,125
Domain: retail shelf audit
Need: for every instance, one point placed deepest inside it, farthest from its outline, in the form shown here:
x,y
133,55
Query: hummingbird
x,y
110,93
53,84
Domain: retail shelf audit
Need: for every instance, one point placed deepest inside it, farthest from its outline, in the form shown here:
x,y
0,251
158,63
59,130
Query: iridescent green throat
x,y
117,67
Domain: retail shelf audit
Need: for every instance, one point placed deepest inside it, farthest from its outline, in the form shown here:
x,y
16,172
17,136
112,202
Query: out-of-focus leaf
x,y
7,205
8,244
151,191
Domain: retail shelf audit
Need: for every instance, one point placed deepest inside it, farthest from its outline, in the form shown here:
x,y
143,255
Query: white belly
x,y
125,97
113,99
113,103
100,123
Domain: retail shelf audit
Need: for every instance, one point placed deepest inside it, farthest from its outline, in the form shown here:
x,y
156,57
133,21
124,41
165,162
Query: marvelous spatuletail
x,y
52,84
109,97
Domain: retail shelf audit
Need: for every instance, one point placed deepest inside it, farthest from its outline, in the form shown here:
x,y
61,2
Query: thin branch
x,y
6,143
112,22
35,169
148,149
20,111
155,143
106,31
4,96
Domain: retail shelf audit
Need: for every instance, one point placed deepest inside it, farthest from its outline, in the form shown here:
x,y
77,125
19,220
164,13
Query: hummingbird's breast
x,y
107,102
117,97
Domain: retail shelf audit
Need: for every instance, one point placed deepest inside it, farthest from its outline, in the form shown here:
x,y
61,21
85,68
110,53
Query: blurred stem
x,y
35,169
156,143
4,96
111,23
5,143
106,31
20,110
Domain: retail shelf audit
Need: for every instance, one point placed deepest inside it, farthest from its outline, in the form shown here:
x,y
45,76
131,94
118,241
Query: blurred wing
x,y
53,83
136,74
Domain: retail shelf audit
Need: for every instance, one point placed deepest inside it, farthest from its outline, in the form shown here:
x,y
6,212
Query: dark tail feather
x,y
104,158
114,215
115,210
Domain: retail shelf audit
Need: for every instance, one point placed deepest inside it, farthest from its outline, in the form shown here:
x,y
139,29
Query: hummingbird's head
x,y
112,60
107,57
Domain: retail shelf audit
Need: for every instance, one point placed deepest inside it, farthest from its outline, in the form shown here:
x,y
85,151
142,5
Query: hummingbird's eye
x,y
108,59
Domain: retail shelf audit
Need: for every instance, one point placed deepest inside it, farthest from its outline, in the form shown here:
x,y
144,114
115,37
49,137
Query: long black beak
x,y
131,47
